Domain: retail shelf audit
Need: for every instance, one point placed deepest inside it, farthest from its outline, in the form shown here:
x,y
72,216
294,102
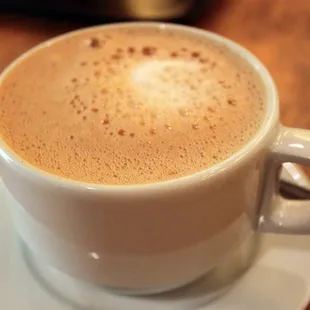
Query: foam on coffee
x,y
128,106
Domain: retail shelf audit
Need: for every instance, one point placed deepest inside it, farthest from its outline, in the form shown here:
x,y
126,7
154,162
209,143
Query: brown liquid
x,y
128,106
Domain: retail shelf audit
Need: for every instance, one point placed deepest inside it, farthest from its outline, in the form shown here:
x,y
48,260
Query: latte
x,y
129,105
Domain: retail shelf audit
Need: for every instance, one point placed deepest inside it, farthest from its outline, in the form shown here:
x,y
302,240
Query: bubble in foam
x,y
203,60
116,57
184,112
154,115
105,122
195,54
131,50
231,102
93,42
148,50
122,132
95,110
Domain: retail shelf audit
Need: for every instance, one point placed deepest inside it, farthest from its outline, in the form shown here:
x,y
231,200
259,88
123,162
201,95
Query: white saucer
x,y
279,280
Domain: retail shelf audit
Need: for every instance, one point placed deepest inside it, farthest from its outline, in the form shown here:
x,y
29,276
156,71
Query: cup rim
x,y
269,122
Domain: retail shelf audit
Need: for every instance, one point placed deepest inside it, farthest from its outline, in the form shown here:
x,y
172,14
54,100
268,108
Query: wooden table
x,y
277,31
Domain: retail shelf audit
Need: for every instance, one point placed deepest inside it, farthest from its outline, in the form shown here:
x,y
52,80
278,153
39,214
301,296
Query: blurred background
x,y
276,31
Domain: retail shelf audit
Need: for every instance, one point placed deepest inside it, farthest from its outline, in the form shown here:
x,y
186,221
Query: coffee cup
x,y
153,237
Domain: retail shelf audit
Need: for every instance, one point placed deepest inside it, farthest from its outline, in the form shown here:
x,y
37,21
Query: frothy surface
x,y
129,106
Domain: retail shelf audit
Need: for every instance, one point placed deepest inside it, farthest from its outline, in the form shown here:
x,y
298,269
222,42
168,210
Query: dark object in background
x,y
104,9
293,191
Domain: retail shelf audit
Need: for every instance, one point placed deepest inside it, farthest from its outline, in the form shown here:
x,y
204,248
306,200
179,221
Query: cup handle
x,y
277,214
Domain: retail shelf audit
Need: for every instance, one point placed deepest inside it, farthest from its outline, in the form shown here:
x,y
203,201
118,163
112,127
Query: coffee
x,y
129,105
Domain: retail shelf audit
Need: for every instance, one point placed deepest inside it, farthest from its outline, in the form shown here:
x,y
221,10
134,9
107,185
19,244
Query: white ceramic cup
x,y
159,236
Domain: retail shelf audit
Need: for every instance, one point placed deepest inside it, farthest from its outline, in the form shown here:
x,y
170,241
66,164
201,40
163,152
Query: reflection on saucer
x,y
83,295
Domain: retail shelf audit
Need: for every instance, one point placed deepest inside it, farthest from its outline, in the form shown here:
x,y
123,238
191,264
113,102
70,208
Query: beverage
x,y
129,105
